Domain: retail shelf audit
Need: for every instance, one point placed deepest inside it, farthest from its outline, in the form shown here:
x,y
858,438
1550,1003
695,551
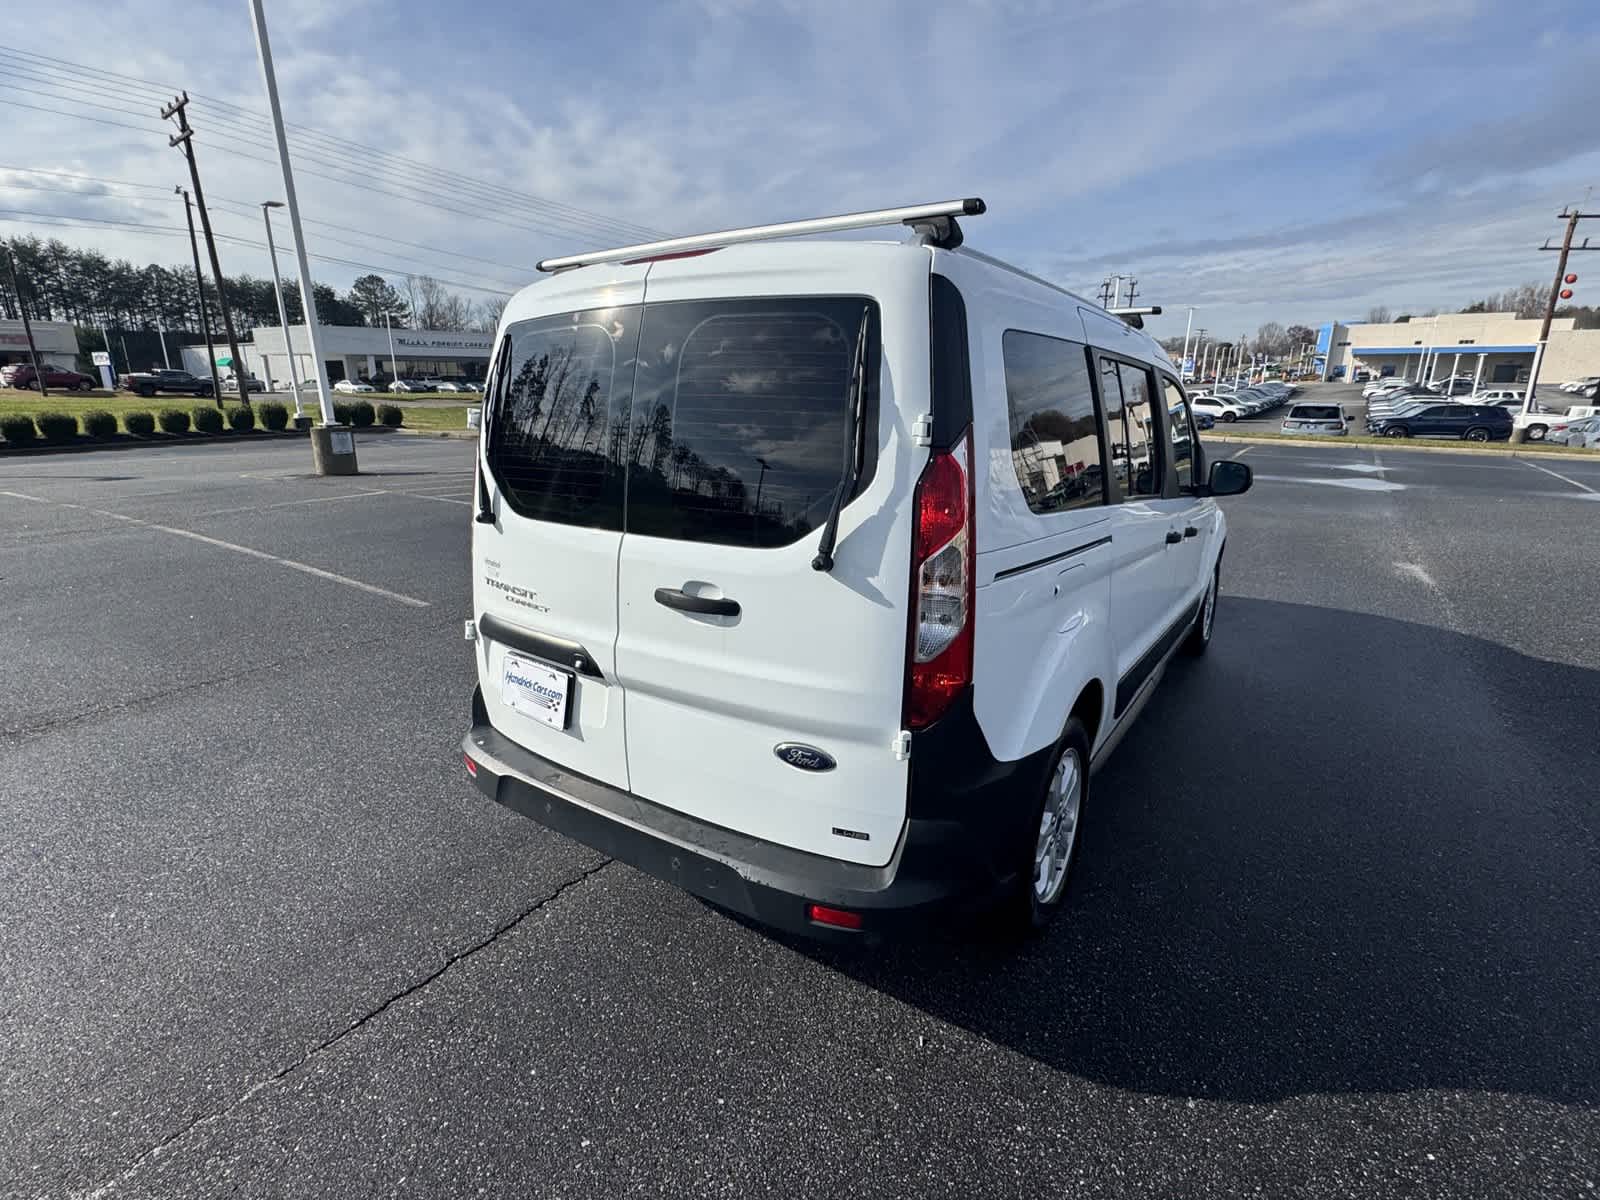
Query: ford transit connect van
x,y
816,577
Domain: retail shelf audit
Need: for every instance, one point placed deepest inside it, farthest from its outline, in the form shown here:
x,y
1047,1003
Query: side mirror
x,y
1229,478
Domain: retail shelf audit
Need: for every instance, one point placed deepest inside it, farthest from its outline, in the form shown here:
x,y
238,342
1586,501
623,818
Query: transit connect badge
x,y
807,758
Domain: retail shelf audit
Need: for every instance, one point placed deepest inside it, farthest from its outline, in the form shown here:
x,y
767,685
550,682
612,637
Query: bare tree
x,y
436,306
488,312
1379,314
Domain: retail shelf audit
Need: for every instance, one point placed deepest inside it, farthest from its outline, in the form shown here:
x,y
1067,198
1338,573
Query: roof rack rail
x,y
1136,316
936,223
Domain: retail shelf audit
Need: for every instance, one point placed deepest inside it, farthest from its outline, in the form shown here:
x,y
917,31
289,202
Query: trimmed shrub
x,y
173,420
391,415
361,414
140,424
207,419
273,415
242,418
343,412
99,423
57,426
18,431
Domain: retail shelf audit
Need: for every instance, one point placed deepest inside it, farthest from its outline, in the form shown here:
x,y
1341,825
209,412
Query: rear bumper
x,y
933,876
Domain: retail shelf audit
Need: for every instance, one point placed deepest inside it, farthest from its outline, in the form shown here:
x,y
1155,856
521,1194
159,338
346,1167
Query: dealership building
x,y
1494,348
357,352
56,342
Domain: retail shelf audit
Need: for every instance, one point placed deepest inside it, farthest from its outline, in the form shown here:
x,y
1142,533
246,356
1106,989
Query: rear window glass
x,y
742,421
559,433
1314,412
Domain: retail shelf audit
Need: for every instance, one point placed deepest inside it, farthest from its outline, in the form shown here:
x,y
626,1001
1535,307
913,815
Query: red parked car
x,y
22,375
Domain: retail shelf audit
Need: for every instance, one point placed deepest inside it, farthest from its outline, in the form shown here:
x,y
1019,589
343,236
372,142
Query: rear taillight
x,y
942,586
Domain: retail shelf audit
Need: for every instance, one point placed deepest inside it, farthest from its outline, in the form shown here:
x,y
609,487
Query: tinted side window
x,y
1182,426
559,419
1135,450
1055,429
741,419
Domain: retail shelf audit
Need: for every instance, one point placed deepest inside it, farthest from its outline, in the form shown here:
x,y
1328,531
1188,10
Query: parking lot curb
x,y
459,434
1408,444
131,443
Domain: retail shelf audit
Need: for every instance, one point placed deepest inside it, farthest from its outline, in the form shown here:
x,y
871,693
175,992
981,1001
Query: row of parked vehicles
x,y
1228,403
1400,408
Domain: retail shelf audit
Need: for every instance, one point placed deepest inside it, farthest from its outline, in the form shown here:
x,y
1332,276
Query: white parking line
x,y
1582,487
219,512
306,568
445,499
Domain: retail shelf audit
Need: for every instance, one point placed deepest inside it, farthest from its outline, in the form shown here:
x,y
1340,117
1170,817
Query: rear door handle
x,y
1173,537
1190,531
683,602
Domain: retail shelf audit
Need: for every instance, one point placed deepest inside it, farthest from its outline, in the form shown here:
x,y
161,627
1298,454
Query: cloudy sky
x,y
1293,160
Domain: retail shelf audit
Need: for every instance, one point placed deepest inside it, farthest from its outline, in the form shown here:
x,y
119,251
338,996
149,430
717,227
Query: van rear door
x,y
764,695
545,574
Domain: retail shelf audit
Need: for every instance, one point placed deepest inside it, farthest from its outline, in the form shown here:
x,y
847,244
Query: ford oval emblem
x,y
807,758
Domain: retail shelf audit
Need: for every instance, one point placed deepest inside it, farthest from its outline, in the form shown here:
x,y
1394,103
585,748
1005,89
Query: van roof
x,y
796,258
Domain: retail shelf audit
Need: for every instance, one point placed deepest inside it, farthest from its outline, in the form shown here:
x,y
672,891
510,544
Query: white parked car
x,y
448,385
1541,425
891,545
1580,432
1221,408
1316,419
1577,385
353,386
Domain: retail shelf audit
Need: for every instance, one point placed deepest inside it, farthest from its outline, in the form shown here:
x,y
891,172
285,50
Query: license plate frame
x,y
537,690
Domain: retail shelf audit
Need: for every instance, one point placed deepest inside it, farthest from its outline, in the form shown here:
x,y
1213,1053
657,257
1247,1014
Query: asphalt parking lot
x,y
1333,931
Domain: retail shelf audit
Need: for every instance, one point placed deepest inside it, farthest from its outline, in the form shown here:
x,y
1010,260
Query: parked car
x,y
409,385
1469,422
1541,424
1580,432
353,387
230,383
867,747
165,382
1316,419
472,385
448,385
1575,385
1219,408
22,375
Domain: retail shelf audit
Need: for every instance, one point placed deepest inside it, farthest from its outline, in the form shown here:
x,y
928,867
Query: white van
x,y
817,577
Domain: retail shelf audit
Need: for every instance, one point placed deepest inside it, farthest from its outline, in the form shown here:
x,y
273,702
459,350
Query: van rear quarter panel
x,y
1042,633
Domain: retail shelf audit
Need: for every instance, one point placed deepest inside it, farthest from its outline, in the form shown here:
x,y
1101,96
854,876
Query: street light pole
x,y
283,312
394,363
1183,366
308,301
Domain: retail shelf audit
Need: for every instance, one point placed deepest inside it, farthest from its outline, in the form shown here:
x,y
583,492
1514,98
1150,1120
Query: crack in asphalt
x,y
329,1043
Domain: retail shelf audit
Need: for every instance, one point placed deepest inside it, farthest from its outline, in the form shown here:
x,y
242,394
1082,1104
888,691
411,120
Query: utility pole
x,y
27,325
283,313
185,138
1105,292
200,287
1572,217
1133,289
161,332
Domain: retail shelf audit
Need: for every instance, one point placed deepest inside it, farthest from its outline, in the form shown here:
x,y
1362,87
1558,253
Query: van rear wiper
x,y
853,449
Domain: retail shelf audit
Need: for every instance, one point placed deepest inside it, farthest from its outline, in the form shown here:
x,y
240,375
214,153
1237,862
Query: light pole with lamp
x,y
283,313
394,363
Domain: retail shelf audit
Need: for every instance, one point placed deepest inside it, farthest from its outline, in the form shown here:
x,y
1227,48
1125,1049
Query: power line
x,y
31,66
92,222
382,241
357,183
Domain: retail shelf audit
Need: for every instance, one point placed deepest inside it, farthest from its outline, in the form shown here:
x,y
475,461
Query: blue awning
x,y
1358,351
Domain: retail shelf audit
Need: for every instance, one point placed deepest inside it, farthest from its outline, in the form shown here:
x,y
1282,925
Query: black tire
x,y
1397,431
1199,638
1536,432
83,385
146,392
1229,417
1024,911
1476,434
31,386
